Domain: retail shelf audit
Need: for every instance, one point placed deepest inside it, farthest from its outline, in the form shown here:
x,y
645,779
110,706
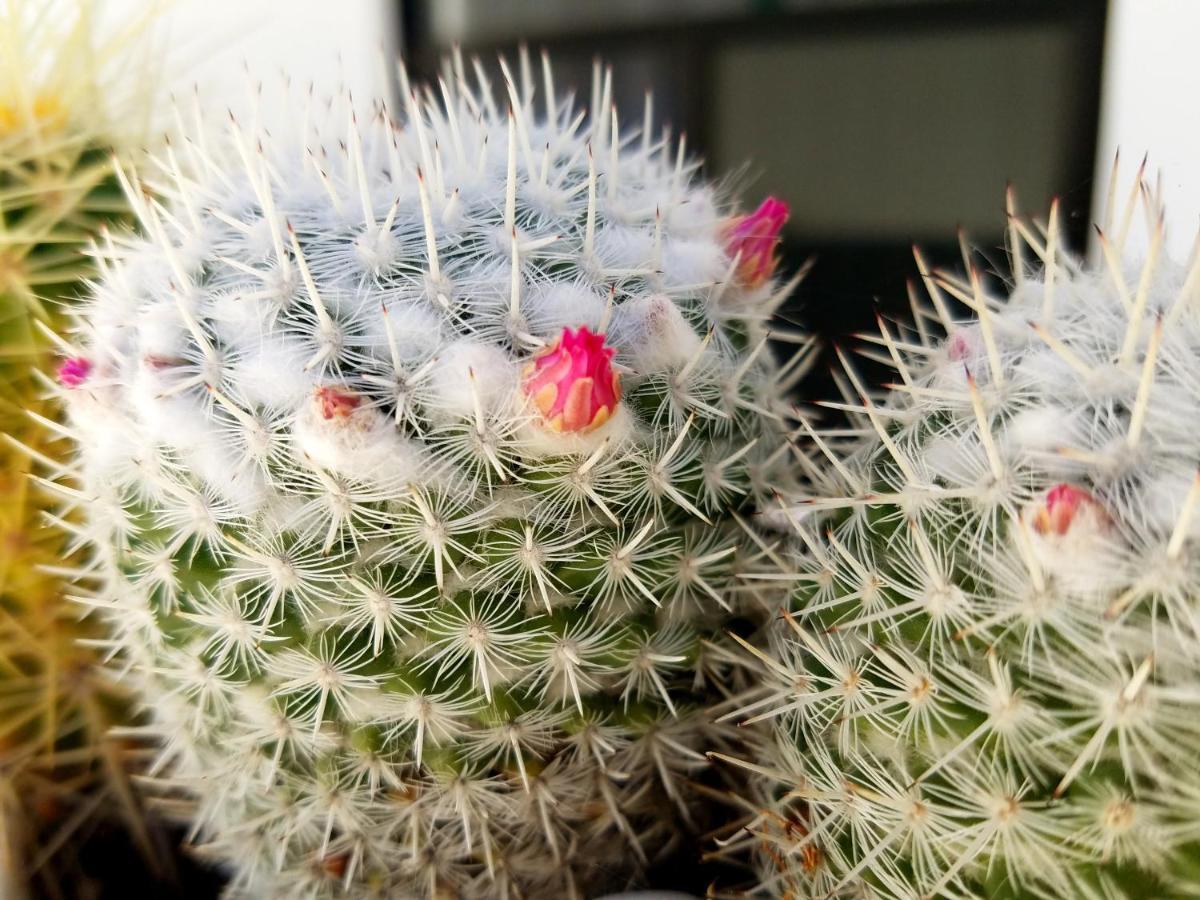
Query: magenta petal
x,y
73,372
578,366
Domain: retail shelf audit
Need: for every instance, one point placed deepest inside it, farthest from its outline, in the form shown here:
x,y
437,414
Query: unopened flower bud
x,y
336,402
73,372
572,382
1062,507
752,239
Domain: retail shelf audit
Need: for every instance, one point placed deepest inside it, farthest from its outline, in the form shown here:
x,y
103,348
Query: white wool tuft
x,y
416,331
1041,429
652,334
467,371
363,445
693,261
540,443
239,320
178,420
161,330
225,472
621,247
273,373
553,306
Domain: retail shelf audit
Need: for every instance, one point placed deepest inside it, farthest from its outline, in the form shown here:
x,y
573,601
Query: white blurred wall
x,y
1149,105
327,42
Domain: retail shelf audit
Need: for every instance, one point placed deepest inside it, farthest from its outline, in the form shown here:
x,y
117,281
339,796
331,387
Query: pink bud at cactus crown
x,y
753,238
572,382
335,402
1060,507
74,372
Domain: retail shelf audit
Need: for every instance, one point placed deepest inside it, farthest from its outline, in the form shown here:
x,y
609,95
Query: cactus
x,y
63,110
417,465
987,684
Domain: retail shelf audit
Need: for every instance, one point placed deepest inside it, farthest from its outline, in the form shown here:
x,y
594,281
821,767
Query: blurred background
x,y
881,122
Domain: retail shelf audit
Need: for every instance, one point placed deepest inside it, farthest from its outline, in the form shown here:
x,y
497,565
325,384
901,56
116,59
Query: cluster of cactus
x,y
417,463
57,190
988,682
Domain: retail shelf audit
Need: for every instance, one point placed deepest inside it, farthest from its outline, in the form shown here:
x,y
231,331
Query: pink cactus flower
x,y
336,402
572,382
73,372
754,237
1061,507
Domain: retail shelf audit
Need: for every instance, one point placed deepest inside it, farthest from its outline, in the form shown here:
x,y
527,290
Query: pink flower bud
x,y
754,237
960,347
156,362
335,402
1061,507
73,372
572,382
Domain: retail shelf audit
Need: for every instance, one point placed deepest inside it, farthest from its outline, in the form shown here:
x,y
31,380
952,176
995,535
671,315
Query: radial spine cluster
x,y
418,452
988,681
